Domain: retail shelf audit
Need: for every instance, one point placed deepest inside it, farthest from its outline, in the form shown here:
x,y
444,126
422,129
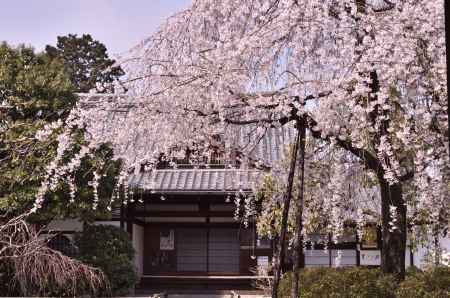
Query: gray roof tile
x,y
195,180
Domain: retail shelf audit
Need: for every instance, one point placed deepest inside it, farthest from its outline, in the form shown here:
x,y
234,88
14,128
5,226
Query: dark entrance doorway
x,y
211,250
191,247
223,251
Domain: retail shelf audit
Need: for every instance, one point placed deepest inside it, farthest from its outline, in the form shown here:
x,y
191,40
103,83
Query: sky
x,y
119,24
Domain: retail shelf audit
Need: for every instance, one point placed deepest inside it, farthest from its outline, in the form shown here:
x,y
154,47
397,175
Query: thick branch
x,y
368,158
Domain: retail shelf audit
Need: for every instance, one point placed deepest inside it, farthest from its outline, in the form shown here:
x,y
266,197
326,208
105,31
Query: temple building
x,y
185,227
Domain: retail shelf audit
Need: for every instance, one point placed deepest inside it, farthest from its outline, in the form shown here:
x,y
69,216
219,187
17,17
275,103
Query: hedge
x,y
362,282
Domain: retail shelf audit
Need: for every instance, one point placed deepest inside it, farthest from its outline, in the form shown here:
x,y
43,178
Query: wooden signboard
x,y
167,240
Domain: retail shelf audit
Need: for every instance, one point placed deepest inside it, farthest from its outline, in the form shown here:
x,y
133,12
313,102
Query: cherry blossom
x,y
369,77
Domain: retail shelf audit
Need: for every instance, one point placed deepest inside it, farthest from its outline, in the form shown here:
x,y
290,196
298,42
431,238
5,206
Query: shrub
x,y
371,283
41,271
28,267
349,282
434,283
7,285
109,248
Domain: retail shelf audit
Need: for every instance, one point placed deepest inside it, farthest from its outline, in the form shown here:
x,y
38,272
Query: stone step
x,y
202,295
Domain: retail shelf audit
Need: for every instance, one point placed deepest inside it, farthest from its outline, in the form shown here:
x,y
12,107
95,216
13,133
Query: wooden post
x,y
447,50
358,249
207,244
129,221
122,217
298,241
280,252
330,257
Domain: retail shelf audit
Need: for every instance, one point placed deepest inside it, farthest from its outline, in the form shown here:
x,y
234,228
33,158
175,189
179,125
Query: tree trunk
x,y
298,241
393,236
284,220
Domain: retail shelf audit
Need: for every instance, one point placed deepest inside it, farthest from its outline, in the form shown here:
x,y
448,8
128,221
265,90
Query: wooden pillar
x,y
129,220
447,50
122,216
379,238
207,248
358,249
330,257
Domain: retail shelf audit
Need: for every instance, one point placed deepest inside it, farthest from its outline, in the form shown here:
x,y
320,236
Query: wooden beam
x,y
201,213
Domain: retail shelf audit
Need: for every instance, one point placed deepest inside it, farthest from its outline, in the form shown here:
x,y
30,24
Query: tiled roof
x,y
195,180
269,149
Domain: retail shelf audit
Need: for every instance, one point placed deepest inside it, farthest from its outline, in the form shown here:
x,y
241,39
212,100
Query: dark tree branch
x,y
367,157
407,176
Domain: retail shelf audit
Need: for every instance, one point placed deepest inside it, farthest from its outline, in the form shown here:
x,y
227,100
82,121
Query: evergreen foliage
x,y
36,91
86,61
368,283
109,248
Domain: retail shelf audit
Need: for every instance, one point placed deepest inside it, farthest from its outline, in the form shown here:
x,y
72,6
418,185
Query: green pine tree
x,y
86,61
35,90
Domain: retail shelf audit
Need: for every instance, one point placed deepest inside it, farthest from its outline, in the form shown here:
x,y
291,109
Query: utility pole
x,y
447,52
299,259
281,246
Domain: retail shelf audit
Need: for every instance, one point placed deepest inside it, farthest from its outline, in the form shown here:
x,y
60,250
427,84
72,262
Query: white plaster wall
x,y
138,244
347,257
321,257
110,223
423,250
74,225
445,243
317,258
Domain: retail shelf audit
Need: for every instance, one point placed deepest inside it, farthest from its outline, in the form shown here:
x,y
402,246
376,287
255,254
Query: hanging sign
x,y
262,265
167,240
